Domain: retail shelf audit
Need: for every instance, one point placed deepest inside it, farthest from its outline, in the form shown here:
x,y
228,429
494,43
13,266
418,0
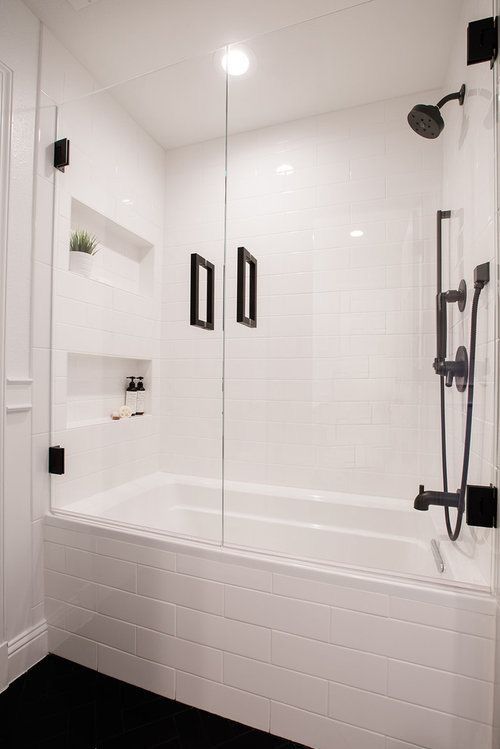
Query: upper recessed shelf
x,y
124,260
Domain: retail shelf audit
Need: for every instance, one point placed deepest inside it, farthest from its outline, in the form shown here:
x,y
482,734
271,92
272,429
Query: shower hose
x,y
454,533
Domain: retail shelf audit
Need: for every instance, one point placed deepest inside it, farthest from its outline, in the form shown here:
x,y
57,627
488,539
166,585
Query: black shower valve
x,y
457,370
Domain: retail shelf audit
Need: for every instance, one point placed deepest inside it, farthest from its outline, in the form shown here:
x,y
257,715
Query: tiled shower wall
x,y
334,389
116,171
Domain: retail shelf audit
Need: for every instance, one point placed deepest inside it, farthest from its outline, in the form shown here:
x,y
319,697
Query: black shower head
x,y
426,119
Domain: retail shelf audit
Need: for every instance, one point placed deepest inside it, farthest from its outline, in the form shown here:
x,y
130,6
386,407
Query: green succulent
x,y
82,241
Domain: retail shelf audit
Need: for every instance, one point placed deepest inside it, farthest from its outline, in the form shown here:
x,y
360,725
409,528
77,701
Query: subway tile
x,y
99,569
73,590
320,732
458,620
67,537
179,654
280,684
428,646
136,609
54,557
440,690
401,720
103,629
136,553
145,674
223,700
332,595
277,612
345,665
224,634
203,595
74,648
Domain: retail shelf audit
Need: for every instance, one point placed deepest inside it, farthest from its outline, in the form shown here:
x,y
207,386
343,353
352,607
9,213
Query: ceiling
x,y
366,51
117,39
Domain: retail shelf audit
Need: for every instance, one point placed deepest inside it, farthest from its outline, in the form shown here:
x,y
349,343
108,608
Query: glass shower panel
x,y
331,404
146,178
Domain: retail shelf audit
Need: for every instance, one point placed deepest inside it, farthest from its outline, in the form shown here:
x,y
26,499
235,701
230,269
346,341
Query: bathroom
x,y
249,328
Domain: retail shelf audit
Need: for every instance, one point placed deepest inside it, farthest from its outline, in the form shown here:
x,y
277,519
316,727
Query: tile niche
x,y
124,260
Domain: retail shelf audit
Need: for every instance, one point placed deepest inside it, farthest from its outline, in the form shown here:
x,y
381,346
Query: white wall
x,y
334,390
192,358
23,622
112,320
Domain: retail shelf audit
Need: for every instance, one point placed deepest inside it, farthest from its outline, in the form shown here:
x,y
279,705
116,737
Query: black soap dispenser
x,y
141,397
131,395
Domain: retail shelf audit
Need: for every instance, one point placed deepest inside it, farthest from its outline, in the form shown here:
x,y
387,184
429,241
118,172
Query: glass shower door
x,y
331,403
146,178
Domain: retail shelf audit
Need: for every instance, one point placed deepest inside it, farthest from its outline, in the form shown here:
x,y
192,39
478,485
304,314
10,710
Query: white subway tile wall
x,y
334,389
345,678
109,324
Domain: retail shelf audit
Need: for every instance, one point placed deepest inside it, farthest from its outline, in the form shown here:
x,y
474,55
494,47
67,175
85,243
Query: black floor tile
x,y
62,705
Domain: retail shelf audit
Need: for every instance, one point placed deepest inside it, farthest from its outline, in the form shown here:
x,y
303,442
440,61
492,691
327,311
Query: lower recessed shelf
x,y
106,420
95,387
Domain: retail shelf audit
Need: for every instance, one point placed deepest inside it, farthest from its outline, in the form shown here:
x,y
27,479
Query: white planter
x,y
81,262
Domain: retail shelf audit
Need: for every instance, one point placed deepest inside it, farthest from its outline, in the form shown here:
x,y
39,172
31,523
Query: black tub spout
x,y
443,499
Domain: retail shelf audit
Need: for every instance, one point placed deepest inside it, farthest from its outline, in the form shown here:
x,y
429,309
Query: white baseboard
x,y
25,650
4,681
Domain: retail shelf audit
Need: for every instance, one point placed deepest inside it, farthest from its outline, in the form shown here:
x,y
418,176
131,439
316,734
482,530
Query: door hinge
x,y
61,154
56,460
482,506
482,41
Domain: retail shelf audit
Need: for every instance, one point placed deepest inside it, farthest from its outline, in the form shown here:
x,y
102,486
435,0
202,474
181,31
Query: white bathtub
x,y
307,629
359,532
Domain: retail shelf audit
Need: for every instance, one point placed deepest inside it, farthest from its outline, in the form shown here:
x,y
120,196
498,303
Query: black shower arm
x,y
460,95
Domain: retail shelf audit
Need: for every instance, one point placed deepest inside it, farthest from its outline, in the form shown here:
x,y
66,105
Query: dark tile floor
x,y
60,704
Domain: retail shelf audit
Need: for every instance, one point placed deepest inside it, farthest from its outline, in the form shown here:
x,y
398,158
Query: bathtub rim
x,y
448,593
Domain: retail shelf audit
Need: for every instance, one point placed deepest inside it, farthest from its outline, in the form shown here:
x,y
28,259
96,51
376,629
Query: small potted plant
x,y
83,247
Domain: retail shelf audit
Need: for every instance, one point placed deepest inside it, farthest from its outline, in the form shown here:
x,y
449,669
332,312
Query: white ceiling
x,y
365,52
117,39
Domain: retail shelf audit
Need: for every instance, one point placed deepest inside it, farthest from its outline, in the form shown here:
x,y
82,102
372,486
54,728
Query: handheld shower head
x,y
426,119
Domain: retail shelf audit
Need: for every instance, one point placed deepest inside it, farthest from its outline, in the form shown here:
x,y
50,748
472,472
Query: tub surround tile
x,y
100,569
440,690
468,622
309,660
224,634
277,612
332,595
71,646
276,683
180,654
133,670
130,607
54,556
135,553
183,590
71,589
321,732
331,662
71,538
401,720
98,628
223,700
428,646
232,574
